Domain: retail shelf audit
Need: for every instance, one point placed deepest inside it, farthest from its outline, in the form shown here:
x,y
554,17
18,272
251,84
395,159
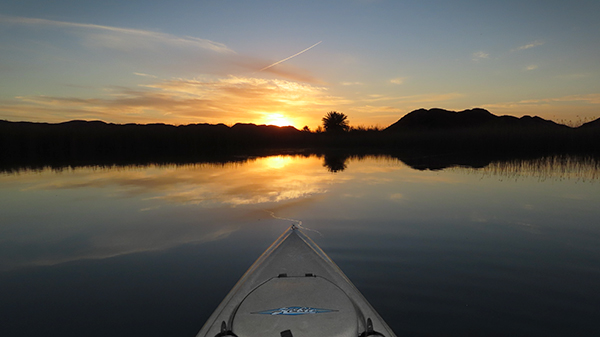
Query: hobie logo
x,y
294,311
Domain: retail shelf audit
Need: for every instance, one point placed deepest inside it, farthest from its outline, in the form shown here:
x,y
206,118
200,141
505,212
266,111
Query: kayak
x,y
294,290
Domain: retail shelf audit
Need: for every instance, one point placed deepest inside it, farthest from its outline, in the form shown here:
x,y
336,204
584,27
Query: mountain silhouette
x,y
473,136
440,119
593,125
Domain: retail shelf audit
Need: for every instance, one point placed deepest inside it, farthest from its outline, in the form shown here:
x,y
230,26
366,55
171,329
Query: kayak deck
x,y
293,290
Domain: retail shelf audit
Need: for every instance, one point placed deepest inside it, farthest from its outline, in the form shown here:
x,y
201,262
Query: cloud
x,y
555,108
351,83
250,66
530,45
396,196
150,49
531,67
424,98
397,80
292,73
589,98
370,109
266,182
135,51
119,38
430,98
228,99
145,75
480,55
383,110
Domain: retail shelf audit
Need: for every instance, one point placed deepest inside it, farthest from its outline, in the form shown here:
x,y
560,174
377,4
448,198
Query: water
x,y
512,249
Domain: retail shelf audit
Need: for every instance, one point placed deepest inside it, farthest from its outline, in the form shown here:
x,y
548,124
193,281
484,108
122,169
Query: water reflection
x,y
55,216
435,240
584,168
267,179
335,162
51,216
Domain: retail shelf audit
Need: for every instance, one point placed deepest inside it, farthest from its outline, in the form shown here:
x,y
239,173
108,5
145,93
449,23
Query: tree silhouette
x,y
335,122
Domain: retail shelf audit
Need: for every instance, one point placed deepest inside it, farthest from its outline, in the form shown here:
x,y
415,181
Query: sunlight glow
x,y
277,162
277,119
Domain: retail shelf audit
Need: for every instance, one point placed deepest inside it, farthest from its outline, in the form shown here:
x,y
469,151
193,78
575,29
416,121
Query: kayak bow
x,y
294,290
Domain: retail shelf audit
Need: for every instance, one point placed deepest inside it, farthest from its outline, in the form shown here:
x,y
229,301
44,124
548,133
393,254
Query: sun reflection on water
x,y
277,162
119,210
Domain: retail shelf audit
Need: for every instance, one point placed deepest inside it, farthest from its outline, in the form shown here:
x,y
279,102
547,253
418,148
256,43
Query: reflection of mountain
x,y
475,136
443,161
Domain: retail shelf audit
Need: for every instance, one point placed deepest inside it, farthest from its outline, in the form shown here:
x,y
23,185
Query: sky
x,y
291,62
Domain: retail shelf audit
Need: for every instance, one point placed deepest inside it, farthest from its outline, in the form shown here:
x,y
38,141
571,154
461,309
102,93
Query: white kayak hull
x,y
294,290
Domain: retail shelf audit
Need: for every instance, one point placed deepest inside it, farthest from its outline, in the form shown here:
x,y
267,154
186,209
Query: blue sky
x,y
186,62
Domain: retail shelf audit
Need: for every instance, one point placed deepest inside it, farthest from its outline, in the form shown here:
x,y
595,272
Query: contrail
x,y
285,59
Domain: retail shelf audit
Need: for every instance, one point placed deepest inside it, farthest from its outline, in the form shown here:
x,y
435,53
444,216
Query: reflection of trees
x,y
335,162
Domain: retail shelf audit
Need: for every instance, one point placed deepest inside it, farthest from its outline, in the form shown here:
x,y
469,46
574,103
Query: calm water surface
x,y
508,250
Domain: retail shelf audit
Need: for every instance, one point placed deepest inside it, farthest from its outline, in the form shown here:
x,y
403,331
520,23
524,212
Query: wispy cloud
x,y
117,37
479,55
265,183
398,80
562,107
145,75
285,181
282,71
431,98
146,49
214,100
383,110
424,98
531,67
351,83
379,110
529,45
589,98
396,197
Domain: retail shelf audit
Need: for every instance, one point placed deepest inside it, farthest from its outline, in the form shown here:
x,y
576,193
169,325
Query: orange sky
x,y
290,64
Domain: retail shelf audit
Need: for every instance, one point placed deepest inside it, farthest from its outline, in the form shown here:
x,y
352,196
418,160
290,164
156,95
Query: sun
x,y
277,119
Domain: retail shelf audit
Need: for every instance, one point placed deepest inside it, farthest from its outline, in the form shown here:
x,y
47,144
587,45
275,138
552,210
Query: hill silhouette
x,y
595,124
90,142
469,136
478,130
440,119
